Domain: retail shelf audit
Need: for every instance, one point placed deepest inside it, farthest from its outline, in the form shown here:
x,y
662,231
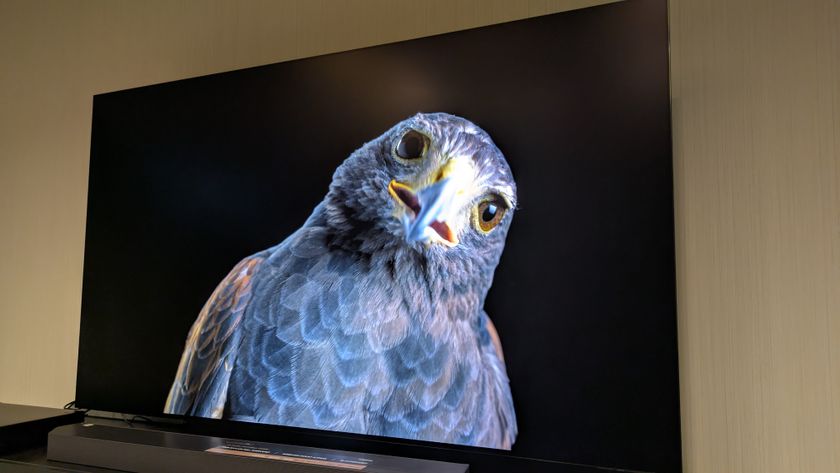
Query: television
x,y
458,247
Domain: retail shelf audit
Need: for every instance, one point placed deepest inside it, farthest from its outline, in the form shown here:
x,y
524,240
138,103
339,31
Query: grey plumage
x,y
355,323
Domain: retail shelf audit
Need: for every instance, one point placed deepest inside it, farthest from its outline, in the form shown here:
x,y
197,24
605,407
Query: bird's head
x,y
435,183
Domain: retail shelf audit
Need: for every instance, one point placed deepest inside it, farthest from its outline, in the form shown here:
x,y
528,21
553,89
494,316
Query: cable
x,y
72,406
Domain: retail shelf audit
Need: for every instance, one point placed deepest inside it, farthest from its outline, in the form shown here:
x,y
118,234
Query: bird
x,y
370,318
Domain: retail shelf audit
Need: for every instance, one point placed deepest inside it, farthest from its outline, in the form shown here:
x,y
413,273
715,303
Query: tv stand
x,y
147,450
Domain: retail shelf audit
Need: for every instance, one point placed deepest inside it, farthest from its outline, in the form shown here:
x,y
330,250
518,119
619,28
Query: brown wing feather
x,y
494,337
200,386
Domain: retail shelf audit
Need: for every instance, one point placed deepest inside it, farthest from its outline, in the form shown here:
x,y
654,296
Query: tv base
x,y
143,450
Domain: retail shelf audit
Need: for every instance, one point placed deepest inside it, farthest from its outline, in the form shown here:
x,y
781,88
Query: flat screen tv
x,y
458,247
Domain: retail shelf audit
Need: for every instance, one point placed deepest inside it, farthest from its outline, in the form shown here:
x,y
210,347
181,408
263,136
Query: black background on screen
x,y
189,177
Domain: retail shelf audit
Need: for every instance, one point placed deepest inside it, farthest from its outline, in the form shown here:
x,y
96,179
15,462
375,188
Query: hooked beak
x,y
430,210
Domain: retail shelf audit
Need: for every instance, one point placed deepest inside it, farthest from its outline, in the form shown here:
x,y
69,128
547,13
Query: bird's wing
x,y
200,386
503,434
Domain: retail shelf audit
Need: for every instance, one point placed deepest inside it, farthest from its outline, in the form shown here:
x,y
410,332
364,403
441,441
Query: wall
x,y
756,114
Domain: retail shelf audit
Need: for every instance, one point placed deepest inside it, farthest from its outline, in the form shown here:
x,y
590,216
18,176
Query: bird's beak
x,y
432,209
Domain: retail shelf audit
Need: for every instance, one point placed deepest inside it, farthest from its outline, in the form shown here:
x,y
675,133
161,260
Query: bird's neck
x,y
433,286
434,283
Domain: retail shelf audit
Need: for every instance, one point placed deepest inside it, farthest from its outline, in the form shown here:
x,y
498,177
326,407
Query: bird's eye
x,y
489,213
412,145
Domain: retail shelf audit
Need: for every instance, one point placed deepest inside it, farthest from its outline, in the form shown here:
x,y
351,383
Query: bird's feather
x,y
201,382
345,327
329,344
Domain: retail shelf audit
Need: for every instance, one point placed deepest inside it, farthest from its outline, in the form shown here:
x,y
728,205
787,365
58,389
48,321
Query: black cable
x,y
72,405
127,420
148,421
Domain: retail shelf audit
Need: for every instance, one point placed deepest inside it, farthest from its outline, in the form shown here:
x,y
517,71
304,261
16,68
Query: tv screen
x,y
458,247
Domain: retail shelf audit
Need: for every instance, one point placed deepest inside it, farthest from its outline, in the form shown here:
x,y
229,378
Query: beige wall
x,y
756,106
756,113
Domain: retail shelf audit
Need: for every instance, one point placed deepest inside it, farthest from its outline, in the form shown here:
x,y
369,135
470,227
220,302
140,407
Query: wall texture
x,y
756,114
